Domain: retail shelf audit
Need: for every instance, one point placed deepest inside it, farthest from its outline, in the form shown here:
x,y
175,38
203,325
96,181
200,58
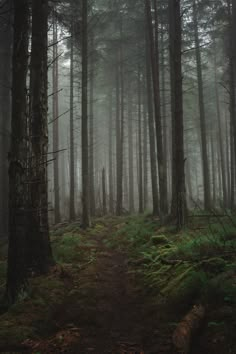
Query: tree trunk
x,y
118,147
110,134
220,138
5,111
131,151
91,131
155,201
213,158
205,163
57,216
104,196
84,137
154,57
187,329
179,209
72,152
40,254
145,153
232,109
17,267
140,150
120,124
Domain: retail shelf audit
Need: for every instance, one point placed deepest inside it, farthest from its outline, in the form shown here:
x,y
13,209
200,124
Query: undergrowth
x,y
196,264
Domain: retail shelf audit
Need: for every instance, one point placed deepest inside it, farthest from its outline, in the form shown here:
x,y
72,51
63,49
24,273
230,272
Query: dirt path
x,y
110,310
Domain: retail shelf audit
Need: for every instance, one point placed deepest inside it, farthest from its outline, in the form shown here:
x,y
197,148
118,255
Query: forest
x,y
118,176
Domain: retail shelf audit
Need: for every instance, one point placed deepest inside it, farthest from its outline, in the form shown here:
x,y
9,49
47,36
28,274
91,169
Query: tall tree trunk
x,y
17,267
140,152
119,206
130,151
220,137
213,159
155,201
232,105
118,141
5,110
205,163
104,196
227,160
145,152
40,254
84,137
91,131
154,57
57,216
110,134
179,209
72,151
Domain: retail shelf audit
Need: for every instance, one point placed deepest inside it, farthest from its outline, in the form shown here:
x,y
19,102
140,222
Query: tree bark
x,y
110,134
154,57
91,131
72,152
155,197
131,151
84,137
205,162
17,267
140,150
179,208
220,138
5,111
187,328
40,254
57,214
104,196
232,107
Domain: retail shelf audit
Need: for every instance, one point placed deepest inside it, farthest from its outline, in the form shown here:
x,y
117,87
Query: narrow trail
x,y
110,310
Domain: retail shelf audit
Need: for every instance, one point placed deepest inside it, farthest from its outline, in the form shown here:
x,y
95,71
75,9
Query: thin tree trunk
x,y
118,134
140,152
72,152
220,138
154,57
155,201
145,153
120,125
57,216
84,137
213,158
91,132
205,163
130,152
104,196
110,134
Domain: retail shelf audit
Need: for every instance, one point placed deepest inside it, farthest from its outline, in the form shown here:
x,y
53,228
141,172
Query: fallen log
x,y
187,328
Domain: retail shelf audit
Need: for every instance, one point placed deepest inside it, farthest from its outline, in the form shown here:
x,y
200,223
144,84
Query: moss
x,y
33,316
184,288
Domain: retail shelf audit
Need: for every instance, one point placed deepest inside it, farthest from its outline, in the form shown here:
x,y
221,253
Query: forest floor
x,y
123,286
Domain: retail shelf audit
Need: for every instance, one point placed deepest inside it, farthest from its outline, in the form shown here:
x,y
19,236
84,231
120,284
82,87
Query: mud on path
x,y
110,310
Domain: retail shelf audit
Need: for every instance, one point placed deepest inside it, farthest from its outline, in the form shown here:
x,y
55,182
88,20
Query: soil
x,y
110,309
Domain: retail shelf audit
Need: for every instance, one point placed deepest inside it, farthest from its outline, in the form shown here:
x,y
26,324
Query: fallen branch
x,y
187,329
